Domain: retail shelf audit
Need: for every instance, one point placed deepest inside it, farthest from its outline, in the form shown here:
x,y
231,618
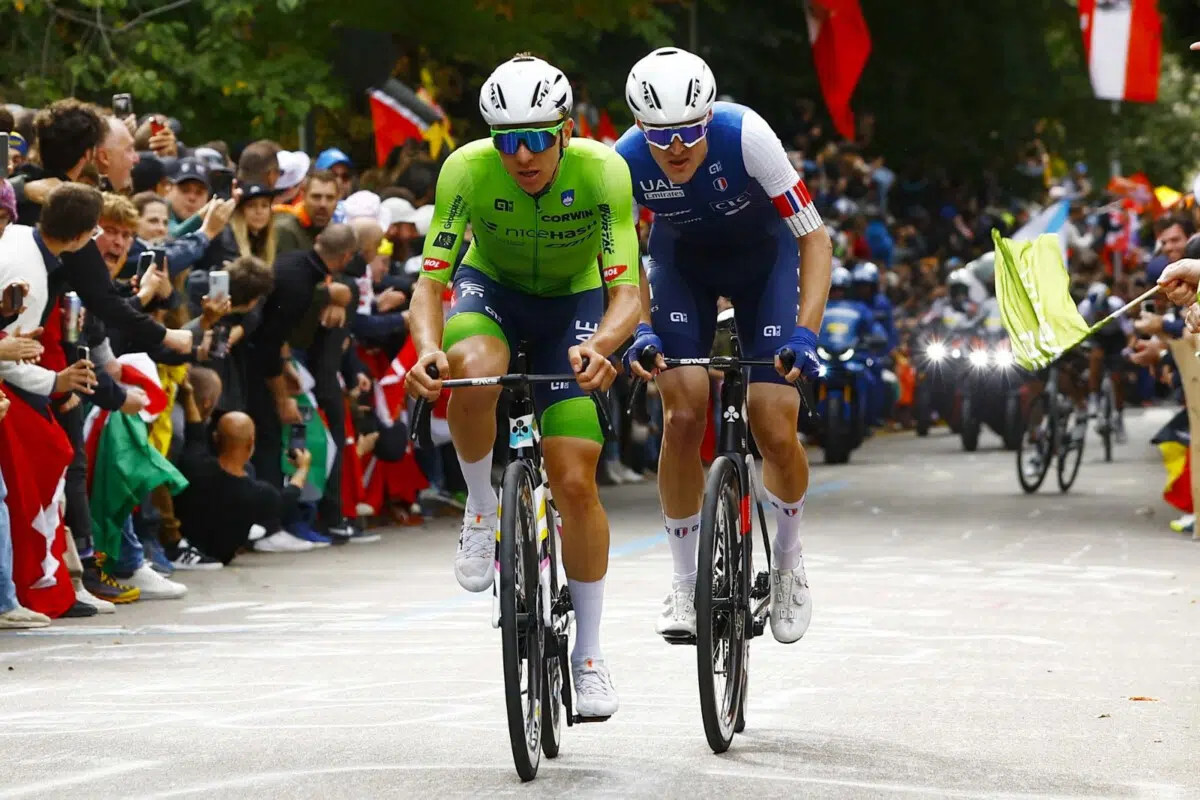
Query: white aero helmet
x,y
670,86
525,91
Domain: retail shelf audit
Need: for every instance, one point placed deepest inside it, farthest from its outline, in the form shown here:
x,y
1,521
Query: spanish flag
x,y
1174,442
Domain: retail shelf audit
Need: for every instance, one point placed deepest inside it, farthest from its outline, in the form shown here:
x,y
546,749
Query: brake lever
x,y
787,357
420,433
600,400
648,360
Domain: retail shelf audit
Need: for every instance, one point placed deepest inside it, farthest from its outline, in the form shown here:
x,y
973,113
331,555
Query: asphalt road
x,y
967,641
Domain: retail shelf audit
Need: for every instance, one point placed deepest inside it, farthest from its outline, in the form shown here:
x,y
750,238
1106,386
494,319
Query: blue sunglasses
x,y
536,139
689,135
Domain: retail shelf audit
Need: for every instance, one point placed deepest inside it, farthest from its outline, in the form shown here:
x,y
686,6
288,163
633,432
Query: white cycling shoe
x,y
791,603
678,616
475,561
595,695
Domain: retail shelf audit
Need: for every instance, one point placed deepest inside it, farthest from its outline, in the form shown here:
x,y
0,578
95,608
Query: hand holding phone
x,y
218,284
12,300
145,262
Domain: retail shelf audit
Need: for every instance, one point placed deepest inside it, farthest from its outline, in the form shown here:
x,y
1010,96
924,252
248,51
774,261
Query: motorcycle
x,y
991,390
941,362
842,398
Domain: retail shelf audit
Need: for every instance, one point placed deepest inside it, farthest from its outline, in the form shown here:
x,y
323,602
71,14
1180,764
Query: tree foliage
x,y
959,84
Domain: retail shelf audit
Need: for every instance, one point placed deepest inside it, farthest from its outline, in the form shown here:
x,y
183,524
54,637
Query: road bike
x,y
1048,436
531,604
732,601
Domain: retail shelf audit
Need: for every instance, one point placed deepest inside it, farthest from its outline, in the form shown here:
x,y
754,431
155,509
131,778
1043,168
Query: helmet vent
x,y
498,96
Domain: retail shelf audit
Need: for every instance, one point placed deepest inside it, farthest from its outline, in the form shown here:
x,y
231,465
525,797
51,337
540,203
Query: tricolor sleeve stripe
x,y
795,207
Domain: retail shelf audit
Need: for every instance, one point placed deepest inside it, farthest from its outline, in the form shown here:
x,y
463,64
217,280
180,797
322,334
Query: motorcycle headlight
x,y
823,353
978,358
956,353
936,351
1003,358
846,356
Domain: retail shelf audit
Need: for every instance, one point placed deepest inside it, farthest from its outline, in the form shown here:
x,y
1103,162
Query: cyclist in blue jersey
x,y
731,218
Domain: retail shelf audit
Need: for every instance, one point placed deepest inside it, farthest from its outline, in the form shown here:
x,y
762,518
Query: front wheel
x,y
521,628
1070,454
553,673
1106,420
721,600
969,423
1013,423
836,438
1036,449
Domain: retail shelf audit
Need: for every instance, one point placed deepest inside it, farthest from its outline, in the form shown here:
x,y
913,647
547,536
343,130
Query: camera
x,y
122,105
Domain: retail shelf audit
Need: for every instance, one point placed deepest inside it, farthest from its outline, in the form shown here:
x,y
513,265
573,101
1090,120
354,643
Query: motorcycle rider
x,y
865,277
848,323
955,310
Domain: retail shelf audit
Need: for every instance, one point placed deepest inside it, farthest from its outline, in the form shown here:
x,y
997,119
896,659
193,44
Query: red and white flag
x,y
840,43
1123,42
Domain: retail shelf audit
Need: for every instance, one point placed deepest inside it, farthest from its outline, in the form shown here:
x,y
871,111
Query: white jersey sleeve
x,y
767,162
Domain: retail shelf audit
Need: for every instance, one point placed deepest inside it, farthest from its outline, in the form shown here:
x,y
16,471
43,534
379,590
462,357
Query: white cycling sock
x,y
681,535
588,600
786,548
481,497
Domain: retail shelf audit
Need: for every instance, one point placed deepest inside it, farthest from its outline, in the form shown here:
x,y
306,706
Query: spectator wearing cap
x,y
189,192
299,226
251,232
293,167
337,162
150,175
402,227
18,150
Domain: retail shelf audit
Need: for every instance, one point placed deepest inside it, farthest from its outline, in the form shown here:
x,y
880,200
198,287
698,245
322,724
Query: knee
x,y
776,440
574,486
685,424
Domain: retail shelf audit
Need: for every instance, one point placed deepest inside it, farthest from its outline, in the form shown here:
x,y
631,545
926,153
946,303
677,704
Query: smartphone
x,y
220,181
156,126
145,261
122,105
218,284
220,342
12,299
3,155
85,353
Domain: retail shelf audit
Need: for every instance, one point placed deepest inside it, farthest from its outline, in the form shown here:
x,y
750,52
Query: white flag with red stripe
x,y
1123,42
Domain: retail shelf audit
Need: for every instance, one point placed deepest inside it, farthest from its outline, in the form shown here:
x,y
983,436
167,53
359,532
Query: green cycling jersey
x,y
547,245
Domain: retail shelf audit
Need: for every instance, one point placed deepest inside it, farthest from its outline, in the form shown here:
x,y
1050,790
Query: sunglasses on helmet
x,y
689,135
536,139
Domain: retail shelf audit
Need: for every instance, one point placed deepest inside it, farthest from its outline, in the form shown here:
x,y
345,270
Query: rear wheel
x,y
1106,419
922,409
521,629
1036,450
1070,453
720,606
836,439
1013,424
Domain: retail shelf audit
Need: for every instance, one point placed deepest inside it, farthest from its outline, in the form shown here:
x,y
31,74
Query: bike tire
x,y
553,674
720,604
521,628
1014,426
1070,456
1107,435
836,439
922,409
1046,431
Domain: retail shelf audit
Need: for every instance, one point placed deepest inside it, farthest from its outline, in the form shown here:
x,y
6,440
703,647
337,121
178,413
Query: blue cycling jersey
x,y
846,323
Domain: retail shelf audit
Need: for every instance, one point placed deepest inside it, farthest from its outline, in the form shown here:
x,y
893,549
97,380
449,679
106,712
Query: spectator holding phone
x,y
251,232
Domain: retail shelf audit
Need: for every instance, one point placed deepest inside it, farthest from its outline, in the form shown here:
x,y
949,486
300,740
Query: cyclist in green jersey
x,y
552,225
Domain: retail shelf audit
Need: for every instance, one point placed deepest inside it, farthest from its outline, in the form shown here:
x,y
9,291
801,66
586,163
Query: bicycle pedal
x,y
591,719
681,638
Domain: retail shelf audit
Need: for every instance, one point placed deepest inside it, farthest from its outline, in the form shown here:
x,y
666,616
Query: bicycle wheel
x,y
720,601
1070,454
1036,450
1106,410
521,628
554,655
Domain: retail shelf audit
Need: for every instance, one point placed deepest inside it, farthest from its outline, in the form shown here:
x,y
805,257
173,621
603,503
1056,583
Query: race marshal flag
x,y
1033,290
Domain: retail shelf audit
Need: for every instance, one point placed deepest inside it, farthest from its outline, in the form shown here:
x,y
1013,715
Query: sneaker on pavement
x,y
184,556
791,604
80,609
282,542
22,618
595,695
609,475
105,587
306,532
339,533
678,616
629,474
361,535
475,561
156,557
83,595
154,586
1184,524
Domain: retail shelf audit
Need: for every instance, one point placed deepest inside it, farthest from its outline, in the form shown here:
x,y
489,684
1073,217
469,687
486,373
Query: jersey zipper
x,y
537,229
